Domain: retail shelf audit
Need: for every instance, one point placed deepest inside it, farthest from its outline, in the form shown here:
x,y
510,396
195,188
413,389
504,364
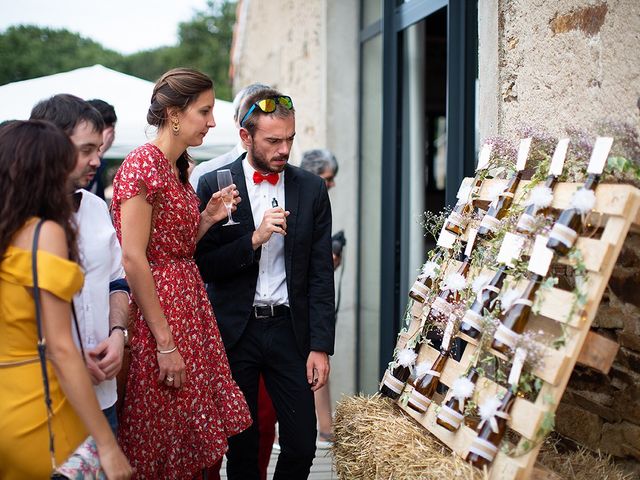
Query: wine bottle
x,y
499,207
395,378
425,282
458,219
425,383
514,319
471,324
526,222
570,223
485,445
442,304
451,414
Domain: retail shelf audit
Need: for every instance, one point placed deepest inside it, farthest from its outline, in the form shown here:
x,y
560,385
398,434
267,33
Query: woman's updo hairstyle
x,y
179,87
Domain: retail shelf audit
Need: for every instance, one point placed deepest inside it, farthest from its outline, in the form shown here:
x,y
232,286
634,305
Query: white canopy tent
x,y
130,97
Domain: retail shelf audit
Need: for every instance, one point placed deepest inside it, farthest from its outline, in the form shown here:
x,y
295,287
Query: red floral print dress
x,y
167,432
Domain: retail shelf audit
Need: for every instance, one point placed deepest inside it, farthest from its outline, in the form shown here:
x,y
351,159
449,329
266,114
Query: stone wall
x,y
558,64
574,63
603,411
309,50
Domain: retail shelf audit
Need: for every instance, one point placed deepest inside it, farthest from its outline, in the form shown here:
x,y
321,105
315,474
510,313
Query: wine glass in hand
x,y
224,180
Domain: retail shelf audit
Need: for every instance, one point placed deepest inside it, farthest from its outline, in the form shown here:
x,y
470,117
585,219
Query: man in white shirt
x,y
103,303
235,152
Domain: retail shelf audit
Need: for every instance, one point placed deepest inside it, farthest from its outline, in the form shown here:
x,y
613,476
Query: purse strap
x,y
42,344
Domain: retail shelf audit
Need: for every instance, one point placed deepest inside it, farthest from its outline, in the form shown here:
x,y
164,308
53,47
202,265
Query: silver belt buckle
x,y
257,315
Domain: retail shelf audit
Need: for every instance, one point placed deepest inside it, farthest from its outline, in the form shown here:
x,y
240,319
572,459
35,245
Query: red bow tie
x,y
272,178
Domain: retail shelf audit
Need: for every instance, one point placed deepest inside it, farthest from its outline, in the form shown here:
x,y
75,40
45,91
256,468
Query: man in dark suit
x,y
270,280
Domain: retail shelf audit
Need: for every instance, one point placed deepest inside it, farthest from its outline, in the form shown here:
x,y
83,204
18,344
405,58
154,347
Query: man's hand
x,y
109,354
274,221
317,370
337,260
97,375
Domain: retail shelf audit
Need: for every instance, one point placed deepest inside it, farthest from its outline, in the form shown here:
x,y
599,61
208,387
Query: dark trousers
x,y
268,347
266,432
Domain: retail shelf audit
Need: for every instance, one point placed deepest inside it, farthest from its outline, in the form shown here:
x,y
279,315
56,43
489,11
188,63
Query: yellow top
x,y
24,443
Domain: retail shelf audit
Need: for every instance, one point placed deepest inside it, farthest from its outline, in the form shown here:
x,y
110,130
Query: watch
x,y
125,333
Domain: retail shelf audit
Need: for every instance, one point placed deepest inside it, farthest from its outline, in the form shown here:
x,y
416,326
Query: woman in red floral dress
x,y
181,402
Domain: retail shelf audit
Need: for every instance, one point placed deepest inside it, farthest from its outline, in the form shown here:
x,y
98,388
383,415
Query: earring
x,y
175,126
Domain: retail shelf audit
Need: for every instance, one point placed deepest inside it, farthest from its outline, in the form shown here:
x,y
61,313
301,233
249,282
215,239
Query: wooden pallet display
x,y
618,208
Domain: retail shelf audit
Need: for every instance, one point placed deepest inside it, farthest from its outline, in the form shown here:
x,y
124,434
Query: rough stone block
x,y
631,434
598,403
612,440
621,377
621,439
627,403
608,316
578,424
629,359
629,340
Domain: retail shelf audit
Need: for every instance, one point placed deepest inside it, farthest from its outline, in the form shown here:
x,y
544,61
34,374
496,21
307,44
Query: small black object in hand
x,y
338,241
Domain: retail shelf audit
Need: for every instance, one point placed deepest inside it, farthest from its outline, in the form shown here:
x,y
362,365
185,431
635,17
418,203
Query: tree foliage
x,y
204,43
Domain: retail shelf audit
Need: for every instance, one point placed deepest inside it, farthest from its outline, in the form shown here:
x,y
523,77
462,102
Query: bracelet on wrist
x,y
164,352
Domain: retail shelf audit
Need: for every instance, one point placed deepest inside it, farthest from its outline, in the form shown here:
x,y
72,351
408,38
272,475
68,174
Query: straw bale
x,y
375,440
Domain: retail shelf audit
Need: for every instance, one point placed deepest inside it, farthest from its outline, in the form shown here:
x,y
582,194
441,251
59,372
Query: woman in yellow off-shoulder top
x,y
35,160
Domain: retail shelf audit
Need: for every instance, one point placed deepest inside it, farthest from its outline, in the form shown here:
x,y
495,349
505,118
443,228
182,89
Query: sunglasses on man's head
x,y
268,105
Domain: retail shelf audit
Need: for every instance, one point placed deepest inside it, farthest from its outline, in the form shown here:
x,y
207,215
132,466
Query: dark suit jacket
x,y
229,265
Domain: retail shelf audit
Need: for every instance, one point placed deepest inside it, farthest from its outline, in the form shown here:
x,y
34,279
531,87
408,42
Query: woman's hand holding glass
x,y
225,180
217,208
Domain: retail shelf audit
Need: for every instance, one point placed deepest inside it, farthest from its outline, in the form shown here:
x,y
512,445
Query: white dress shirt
x,y
271,288
101,260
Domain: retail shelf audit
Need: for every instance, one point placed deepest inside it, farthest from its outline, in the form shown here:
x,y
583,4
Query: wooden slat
x,y
611,199
598,352
594,253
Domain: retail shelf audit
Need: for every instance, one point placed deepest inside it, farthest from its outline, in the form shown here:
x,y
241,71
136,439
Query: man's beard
x,y
261,164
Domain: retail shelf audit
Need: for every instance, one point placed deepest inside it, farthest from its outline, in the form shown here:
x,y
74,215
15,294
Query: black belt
x,y
268,311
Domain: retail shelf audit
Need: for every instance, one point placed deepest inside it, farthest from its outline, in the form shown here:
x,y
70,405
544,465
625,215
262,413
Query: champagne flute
x,y
224,180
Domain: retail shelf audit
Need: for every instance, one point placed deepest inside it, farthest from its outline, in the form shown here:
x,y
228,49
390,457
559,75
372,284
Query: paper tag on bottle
x,y
464,192
485,155
510,249
540,257
446,239
448,332
523,153
516,369
470,241
599,155
559,155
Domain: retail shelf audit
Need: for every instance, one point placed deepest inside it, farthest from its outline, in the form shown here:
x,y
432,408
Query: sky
x,y
126,26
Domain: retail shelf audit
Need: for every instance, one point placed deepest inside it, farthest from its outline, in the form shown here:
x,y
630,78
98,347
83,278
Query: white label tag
x,y
523,153
448,331
446,239
599,155
470,241
559,155
516,369
540,257
464,192
485,155
510,249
